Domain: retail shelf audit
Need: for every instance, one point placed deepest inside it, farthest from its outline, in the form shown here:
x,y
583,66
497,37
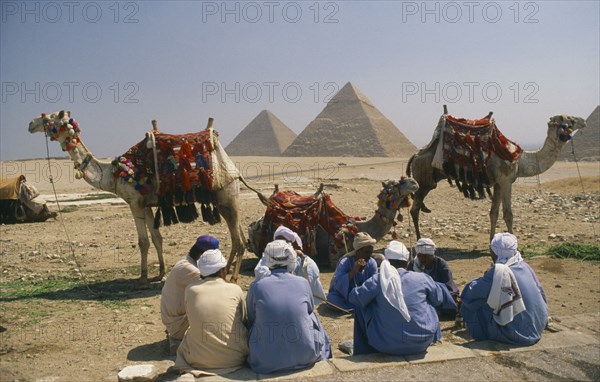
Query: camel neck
x,y
379,225
533,163
96,173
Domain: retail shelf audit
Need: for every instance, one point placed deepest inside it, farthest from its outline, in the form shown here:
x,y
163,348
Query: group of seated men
x,y
396,306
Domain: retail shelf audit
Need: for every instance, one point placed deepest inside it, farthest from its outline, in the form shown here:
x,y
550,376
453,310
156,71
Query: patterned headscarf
x,y
361,240
210,262
425,246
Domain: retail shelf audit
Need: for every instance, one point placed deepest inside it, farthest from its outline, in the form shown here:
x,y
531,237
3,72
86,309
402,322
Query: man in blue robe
x,y
305,266
352,271
508,303
285,333
395,311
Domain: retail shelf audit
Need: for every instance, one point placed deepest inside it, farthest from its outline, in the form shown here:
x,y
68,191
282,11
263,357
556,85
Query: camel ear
x,y
61,115
69,114
383,184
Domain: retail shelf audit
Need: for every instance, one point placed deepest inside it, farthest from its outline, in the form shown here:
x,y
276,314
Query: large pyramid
x,y
351,126
586,141
266,135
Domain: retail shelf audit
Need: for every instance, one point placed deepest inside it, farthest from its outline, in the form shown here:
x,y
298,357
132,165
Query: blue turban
x,y
206,242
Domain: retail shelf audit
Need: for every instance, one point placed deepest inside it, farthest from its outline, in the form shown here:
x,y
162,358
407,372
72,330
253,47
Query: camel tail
x,y
408,172
263,199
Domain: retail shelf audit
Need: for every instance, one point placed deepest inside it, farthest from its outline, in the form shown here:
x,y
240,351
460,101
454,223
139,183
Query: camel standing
x,y
99,174
500,173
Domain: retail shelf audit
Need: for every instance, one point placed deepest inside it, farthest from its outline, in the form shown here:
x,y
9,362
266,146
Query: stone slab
x,y
441,352
367,361
317,370
244,374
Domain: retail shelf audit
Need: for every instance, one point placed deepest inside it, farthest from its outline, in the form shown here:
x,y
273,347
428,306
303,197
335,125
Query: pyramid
x,y
585,141
350,125
266,135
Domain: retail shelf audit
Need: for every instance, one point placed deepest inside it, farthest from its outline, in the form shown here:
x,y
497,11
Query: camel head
x,y
396,194
60,127
562,127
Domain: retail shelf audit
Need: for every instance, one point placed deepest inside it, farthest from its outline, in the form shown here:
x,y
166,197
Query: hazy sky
x,y
118,65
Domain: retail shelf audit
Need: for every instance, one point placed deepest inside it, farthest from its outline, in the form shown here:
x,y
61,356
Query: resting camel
x,y
99,174
330,219
500,173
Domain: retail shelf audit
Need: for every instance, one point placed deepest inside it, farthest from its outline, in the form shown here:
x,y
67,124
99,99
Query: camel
x,y
99,174
500,173
331,219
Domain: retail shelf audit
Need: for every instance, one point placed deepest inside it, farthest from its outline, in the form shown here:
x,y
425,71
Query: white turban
x,y
425,246
280,253
288,234
391,285
361,240
504,246
396,251
210,262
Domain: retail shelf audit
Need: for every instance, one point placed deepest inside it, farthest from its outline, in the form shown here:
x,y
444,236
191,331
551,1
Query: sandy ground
x,y
76,333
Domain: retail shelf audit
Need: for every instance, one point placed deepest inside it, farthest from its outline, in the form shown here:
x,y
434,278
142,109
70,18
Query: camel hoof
x,y
425,209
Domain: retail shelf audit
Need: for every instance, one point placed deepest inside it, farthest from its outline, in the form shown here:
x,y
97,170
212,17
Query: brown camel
x,y
500,173
99,174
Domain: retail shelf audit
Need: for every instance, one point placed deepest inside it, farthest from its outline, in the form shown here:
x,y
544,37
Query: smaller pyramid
x,y
586,141
350,125
266,135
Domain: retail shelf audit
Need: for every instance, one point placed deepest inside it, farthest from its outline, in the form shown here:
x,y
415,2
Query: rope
x,y
62,221
582,186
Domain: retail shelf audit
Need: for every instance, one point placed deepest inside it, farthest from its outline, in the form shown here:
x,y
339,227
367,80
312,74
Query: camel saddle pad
x,y
470,143
10,187
184,163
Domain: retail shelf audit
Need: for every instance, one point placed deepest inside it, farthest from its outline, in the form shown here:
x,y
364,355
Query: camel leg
x,y
228,207
417,206
496,199
507,214
157,240
143,242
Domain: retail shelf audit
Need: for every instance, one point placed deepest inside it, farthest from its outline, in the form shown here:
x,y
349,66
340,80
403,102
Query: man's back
x,y
172,307
217,337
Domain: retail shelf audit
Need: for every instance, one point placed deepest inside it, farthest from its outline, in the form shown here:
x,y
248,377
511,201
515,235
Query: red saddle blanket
x,y
467,146
301,214
182,169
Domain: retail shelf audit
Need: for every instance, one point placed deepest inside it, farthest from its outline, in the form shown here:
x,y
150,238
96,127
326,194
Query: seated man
x,y
217,340
352,271
395,311
508,303
397,254
305,266
285,333
172,307
436,267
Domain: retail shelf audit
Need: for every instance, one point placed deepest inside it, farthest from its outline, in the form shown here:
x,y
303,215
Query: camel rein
x,y
62,221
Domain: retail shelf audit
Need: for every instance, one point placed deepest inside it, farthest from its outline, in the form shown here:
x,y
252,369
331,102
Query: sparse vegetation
x,y
565,250
68,209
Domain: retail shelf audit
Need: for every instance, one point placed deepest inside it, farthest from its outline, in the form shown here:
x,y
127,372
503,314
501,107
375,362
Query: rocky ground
x,y
71,313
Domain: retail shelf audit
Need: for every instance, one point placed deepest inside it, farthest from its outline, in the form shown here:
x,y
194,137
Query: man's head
x,y
202,244
284,233
425,250
363,246
280,254
503,247
397,254
212,264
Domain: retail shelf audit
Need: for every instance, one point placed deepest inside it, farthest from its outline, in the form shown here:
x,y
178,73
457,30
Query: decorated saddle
x,y
179,169
464,148
301,214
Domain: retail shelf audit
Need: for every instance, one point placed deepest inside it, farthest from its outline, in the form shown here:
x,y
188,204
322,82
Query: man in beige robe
x,y
172,307
217,340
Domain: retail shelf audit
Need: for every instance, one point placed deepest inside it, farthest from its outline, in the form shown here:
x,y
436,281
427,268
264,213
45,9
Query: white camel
x,y
99,174
500,173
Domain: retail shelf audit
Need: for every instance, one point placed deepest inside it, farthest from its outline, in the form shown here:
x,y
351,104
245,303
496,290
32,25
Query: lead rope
x,y
62,221
595,233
